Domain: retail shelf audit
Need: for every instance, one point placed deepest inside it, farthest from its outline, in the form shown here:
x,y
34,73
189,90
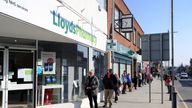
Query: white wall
x,y
38,12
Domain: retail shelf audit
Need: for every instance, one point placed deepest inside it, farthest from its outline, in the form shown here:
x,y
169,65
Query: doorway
x,y
16,78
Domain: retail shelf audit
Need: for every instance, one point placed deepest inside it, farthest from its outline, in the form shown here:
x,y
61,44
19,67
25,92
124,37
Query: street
x,y
184,89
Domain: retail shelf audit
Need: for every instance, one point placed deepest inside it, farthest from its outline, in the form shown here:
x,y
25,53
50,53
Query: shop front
x,y
45,53
123,60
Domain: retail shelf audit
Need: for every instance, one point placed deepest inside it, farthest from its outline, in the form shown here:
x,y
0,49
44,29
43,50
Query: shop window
x,y
82,62
99,66
56,69
122,69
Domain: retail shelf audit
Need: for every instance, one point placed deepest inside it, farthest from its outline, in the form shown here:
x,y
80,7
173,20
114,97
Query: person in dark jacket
x,y
109,82
91,88
116,89
135,78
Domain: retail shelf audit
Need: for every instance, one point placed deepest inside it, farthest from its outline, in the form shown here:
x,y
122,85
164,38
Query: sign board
x,y
111,45
126,24
155,47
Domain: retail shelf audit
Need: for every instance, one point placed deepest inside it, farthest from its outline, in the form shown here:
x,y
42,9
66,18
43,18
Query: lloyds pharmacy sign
x,y
68,26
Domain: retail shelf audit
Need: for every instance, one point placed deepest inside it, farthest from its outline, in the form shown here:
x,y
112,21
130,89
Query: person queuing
x,y
124,80
116,89
135,78
91,88
109,82
129,82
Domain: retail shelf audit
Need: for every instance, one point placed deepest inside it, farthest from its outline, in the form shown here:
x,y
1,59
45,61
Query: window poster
x,y
25,73
49,62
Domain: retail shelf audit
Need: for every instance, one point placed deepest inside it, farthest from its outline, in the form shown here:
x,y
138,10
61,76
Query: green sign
x,y
124,50
69,26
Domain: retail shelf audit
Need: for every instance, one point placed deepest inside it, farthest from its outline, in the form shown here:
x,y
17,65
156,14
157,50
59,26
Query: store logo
x,y
68,26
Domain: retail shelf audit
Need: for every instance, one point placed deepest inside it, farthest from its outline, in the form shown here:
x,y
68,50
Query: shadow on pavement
x,y
188,100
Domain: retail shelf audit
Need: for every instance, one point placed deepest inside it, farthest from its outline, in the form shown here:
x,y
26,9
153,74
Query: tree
x,y
191,62
181,68
190,67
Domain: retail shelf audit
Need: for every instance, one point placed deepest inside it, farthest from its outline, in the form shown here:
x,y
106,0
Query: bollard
x,y
174,100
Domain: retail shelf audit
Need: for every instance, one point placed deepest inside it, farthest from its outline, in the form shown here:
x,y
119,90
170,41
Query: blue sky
x,y
154,17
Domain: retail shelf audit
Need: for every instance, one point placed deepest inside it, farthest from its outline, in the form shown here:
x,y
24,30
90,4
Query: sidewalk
x,y
140,98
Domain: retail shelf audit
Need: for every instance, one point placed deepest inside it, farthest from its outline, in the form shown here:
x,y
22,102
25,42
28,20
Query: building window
x,y
103,4
139,40
117,17
128,36
134,36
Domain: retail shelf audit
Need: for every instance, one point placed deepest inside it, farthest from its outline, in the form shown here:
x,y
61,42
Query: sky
x,y
154,16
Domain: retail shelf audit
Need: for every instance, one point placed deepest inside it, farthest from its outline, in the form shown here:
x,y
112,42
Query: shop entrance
x,y
16,77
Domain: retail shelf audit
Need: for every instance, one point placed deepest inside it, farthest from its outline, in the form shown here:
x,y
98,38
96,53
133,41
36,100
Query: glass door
x,y
1,77
16,81
20,80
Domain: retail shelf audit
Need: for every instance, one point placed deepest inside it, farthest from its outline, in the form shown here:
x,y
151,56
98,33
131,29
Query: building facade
x,y
47,48
126,56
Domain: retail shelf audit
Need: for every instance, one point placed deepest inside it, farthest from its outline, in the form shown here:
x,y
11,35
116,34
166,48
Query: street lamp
x,y
112,37
174,97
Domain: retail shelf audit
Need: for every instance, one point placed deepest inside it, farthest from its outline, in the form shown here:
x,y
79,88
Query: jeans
x,y
91,99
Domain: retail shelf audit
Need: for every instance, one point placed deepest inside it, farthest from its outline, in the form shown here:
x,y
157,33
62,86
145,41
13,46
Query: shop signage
x,y
124,50
69,27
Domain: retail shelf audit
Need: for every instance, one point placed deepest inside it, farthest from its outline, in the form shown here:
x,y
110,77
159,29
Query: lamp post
x,y
174,97
112,36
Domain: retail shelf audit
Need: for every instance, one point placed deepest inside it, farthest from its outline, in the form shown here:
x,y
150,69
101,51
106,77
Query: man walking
x,y
109,82
91,88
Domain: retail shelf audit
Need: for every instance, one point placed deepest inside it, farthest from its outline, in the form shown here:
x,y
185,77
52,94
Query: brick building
x,y
127,56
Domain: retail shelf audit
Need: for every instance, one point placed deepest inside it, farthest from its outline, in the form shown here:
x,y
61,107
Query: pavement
x,y
140,98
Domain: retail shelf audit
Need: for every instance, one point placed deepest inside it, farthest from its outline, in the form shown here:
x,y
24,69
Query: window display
x,y
52,69
99,66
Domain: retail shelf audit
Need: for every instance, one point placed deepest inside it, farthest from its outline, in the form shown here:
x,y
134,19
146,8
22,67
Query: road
x,y
184,89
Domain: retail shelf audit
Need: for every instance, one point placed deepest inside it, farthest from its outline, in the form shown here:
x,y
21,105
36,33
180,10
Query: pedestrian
x,y
129,82
91,88
124,80
140,79
135,80
116,89
109,82
168,83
